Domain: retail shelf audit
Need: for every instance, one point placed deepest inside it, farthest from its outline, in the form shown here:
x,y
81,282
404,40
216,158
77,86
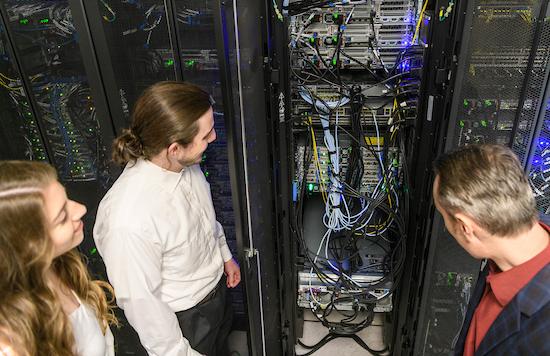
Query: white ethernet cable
x,y
333,214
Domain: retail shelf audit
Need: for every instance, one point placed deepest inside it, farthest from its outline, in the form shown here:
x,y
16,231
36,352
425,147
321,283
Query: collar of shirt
x,y
505,285
155,174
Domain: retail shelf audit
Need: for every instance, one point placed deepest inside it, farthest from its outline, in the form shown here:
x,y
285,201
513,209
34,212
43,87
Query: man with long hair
x,y
156,228
488,206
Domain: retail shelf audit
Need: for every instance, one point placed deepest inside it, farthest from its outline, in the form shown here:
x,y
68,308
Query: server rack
x,y
482,84
110,51
392,25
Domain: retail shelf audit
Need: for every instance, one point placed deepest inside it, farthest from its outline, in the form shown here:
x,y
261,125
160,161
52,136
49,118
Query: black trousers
x,y
207,325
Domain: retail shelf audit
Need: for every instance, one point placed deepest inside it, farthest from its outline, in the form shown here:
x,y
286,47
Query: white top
x,y
89,338
163,248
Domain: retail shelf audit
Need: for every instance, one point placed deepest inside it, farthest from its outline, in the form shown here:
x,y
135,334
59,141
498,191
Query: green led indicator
x,y
24,21
190,63
93,251
465,103
45,20
310,187
461,123
488,103
169,63
311,39
206,173
335,15
334,61
484,123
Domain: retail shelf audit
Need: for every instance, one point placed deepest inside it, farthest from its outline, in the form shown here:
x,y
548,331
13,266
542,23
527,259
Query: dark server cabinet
x,y
533,141
538,158
486,81
139,43
71,72
134,50
342,75
244,43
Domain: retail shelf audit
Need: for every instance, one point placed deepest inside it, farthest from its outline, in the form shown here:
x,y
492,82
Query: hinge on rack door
x,y
248,254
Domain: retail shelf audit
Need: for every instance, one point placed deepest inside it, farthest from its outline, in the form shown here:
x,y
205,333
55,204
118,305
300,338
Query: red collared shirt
x,y
500,289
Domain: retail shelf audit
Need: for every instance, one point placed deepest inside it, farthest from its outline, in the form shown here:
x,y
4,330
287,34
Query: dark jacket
x,y
523,326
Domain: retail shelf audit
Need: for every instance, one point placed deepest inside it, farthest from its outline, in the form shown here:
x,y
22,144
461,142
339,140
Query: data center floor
x,y
314,331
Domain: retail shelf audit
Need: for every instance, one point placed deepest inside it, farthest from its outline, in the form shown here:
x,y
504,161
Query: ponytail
x,y
127,147
165,113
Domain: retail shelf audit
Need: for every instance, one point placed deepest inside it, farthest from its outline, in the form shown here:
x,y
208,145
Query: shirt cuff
x,y
226,253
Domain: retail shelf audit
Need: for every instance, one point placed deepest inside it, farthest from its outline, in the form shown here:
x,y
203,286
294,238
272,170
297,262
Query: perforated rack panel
x,y
498,97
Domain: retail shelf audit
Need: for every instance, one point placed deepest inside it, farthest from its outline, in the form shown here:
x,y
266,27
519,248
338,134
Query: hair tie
x,y
135,143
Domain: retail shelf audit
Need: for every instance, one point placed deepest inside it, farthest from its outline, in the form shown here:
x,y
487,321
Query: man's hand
x,y
233,273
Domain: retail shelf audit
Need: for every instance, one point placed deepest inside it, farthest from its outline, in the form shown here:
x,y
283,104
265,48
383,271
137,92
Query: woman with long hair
x,y
49,305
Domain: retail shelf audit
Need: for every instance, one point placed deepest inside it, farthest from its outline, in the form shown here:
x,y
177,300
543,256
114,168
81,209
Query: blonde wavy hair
x,y
31,316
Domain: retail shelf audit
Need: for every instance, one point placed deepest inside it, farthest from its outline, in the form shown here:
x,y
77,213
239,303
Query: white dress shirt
x,y
163,248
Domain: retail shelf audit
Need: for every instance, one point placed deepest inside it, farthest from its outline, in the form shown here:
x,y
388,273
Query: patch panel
x,y
379,105
199,59
482,118
370,177
374,26
309,283
317,174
